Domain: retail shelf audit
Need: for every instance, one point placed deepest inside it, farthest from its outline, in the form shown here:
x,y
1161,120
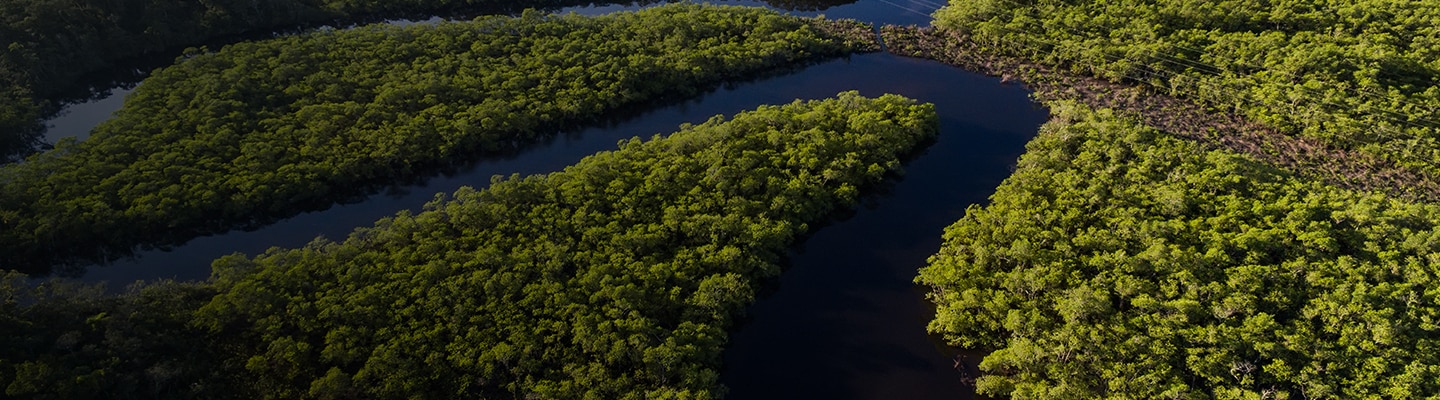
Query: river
x,y
844,321
80,116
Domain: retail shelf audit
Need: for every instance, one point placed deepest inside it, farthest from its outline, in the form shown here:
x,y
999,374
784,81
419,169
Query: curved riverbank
x,y
308,120
1216,129
613,278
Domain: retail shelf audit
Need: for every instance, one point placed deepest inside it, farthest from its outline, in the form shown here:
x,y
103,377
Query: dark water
x,y
897,12
844,321
76,120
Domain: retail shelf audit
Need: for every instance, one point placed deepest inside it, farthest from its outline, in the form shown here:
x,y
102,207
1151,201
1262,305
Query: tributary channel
x,y
844,321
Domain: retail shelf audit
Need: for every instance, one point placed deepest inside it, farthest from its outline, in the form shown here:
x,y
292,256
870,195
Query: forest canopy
x,y
263,130
50,45
615,278
48,48
1121,262
1356,75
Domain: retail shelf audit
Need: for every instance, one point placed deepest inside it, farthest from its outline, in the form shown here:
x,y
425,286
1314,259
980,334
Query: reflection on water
x,y
76,120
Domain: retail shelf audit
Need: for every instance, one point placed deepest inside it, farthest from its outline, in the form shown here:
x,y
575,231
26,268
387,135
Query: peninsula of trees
x,y
1234,199
47,47
263,130
615,278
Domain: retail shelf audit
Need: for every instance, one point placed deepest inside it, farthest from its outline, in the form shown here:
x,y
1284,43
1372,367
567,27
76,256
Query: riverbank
x,y
54,47
1215,129
1160,239
614,278
357,110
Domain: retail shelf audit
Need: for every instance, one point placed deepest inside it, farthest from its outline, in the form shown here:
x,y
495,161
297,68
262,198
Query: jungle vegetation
x,y
1119,261
262,130
48,47
1252,249
615,278
1361,76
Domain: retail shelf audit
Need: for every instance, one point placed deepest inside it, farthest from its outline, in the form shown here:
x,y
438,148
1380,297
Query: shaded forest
x,y
51,45
266,129
614,278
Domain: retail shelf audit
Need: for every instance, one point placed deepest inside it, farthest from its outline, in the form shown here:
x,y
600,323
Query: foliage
x,y
262,130
50,45
1119,262
1355,75
615,278
65,340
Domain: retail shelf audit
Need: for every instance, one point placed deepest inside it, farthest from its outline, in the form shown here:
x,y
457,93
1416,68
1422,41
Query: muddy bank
x,y
1214,128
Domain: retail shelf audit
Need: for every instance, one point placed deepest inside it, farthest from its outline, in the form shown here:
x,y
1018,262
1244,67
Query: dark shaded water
x,y
844,320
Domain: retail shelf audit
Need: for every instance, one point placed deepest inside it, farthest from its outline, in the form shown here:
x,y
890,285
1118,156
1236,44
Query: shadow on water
x,y
845,320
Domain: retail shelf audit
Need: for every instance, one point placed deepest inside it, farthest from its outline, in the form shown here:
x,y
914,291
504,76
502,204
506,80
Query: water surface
x,y
844,320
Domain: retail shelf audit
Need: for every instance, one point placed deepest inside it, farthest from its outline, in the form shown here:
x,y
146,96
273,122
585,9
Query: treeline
x,y
1121,262
615,278
47,46
68,340
51,44
1355,75
263,130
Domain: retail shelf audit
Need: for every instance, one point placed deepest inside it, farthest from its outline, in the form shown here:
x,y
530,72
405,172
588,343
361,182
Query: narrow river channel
x,y
844,321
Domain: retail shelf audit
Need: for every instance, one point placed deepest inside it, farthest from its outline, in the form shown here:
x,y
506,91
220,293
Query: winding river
x,y
844,321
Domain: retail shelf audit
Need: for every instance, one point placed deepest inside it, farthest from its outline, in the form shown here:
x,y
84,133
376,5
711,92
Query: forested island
x,y
263,130
615,278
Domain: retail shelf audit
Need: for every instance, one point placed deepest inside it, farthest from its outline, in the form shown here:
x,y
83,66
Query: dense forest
x,y
614,278
1234,199
50,45
266,129
1164,251
1121,262
1354,75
